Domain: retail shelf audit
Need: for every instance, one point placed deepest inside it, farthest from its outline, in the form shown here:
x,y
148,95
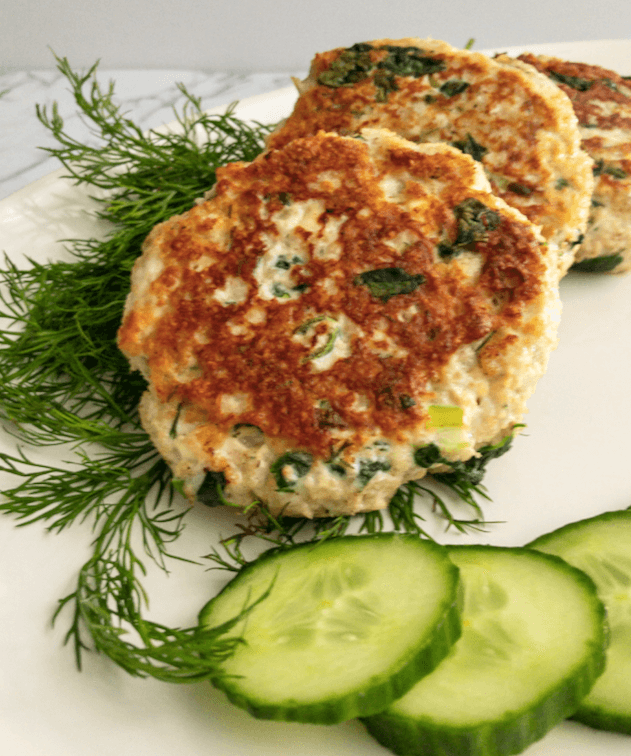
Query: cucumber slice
x,y
533,640
601,546
349,625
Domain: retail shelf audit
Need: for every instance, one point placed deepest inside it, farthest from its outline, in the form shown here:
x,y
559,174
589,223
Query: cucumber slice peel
x,y
601,547
517,670
349,625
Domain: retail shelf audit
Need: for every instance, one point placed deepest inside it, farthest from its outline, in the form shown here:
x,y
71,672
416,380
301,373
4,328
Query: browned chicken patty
x,y
506,115
339,316
602,102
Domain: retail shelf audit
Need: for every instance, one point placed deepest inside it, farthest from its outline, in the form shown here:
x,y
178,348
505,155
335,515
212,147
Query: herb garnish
x,y
465,477
65,382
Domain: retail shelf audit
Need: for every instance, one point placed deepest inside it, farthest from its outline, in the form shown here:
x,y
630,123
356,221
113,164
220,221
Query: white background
x,y
278,35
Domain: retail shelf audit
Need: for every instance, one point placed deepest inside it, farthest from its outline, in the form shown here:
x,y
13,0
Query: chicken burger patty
x,y
339,316
502,112
602,102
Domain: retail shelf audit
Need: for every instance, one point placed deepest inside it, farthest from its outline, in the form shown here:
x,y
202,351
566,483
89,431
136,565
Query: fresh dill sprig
x,y
156,174
60,346
401,515
108,585
64,382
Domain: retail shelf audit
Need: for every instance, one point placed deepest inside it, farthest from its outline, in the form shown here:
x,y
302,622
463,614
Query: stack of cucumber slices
x,y
440,650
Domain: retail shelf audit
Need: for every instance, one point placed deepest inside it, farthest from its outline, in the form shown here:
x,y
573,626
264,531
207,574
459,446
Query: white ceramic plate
x,y
572,462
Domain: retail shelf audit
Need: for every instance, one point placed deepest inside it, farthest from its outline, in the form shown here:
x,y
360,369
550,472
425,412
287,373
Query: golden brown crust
x,y
601,99
325,298
591,89
262,360
520,127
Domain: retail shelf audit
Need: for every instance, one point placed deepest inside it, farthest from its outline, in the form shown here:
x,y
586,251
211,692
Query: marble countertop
x,y
148,96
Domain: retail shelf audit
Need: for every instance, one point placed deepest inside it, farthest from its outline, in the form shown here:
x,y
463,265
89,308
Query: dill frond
x,y
64,381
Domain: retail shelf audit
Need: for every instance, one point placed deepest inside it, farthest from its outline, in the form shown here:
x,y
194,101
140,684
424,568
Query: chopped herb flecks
x,y
475,220
333,331
614,171
453,87
283,263
385,82
284,198
602,264
289,467
368,468
406,401
210,492
355,64
410,61
470,147
351,66
574,82
426,456
176,419
337,469
279,291
521,189
611,84
384,283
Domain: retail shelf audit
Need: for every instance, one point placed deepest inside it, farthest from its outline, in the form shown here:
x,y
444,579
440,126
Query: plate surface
x,y
572,461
